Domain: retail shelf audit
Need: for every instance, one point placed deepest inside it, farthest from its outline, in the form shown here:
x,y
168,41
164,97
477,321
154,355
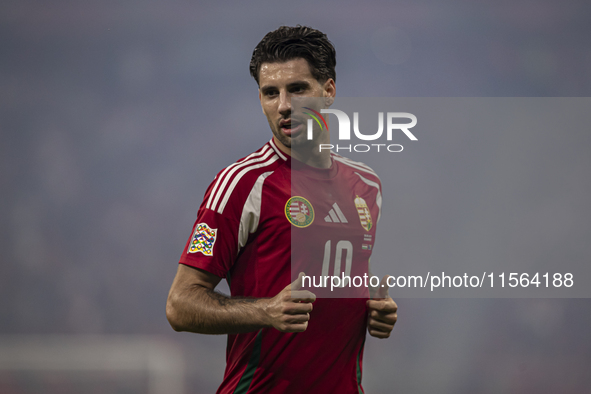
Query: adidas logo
x,y
335,215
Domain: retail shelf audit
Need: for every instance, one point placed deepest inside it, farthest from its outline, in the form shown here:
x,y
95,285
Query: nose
x,y
284,104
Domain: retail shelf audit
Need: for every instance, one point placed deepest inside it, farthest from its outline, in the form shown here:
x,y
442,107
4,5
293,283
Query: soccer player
x,y
281,339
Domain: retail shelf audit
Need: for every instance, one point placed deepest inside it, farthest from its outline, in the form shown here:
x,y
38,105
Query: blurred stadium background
x,y
114,118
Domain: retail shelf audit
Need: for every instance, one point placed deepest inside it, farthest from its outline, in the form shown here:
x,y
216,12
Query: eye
x,y
298,89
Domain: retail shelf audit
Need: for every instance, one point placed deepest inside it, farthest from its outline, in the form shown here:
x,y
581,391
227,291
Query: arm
x,y
194,306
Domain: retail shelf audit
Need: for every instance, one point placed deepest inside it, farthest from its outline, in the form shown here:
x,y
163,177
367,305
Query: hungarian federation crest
x,y
299,211
203,239
364,214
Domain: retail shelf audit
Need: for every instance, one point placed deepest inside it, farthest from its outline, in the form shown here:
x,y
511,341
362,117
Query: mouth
x,y
291,127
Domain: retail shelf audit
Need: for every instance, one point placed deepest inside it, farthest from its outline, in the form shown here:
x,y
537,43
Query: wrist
x,y
263,312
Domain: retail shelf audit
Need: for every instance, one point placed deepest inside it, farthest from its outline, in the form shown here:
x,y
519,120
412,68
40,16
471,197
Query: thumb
x,y
383,289
297,284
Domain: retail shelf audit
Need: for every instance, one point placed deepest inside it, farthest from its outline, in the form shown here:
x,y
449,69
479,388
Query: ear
x,y
330,91
261,101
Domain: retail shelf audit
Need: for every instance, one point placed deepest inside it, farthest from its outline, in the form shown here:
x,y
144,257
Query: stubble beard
x,y
285,140
299,142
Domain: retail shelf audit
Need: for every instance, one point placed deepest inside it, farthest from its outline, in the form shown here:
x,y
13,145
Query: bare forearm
x,y
202,310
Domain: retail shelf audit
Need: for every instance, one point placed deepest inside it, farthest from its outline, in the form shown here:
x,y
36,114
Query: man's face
x,y
279,82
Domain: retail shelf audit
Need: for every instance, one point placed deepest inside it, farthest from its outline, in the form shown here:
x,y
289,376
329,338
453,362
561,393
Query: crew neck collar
x,y
313,172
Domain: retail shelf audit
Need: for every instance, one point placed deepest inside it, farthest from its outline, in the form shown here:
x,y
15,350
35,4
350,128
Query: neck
x,y
311,157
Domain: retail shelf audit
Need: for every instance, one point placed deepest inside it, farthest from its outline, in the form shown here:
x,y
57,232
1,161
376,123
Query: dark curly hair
x,y
287,43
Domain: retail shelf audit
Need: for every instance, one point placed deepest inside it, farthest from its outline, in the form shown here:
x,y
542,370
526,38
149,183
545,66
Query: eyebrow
x,y
304,84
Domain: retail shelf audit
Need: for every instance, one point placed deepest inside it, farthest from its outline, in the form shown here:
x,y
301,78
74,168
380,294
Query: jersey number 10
x,y
342,246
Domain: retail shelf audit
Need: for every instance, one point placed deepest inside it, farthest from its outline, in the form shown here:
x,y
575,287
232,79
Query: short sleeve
x,y
228,214
213,243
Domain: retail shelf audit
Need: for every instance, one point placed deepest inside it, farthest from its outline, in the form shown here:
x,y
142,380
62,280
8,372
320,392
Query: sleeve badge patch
x,y
203,239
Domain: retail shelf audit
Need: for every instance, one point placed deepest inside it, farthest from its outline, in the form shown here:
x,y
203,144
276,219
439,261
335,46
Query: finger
x,y
301,327
383,289
297,308
386,306
296,319
302,296
379,326
297,284
389,318
379,334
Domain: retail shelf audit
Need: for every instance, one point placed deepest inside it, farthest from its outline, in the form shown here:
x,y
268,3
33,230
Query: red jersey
x,y
266,218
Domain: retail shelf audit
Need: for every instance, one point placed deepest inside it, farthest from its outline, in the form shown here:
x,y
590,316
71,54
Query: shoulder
x,y
365,172
234,184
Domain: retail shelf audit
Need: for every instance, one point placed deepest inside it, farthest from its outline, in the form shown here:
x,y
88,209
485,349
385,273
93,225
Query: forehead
x,y
284,72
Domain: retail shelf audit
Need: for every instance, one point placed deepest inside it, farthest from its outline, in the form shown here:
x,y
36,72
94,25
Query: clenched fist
x,y
289,311
382,312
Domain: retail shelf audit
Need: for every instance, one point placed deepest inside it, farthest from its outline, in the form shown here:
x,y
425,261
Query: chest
x,y
326,227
